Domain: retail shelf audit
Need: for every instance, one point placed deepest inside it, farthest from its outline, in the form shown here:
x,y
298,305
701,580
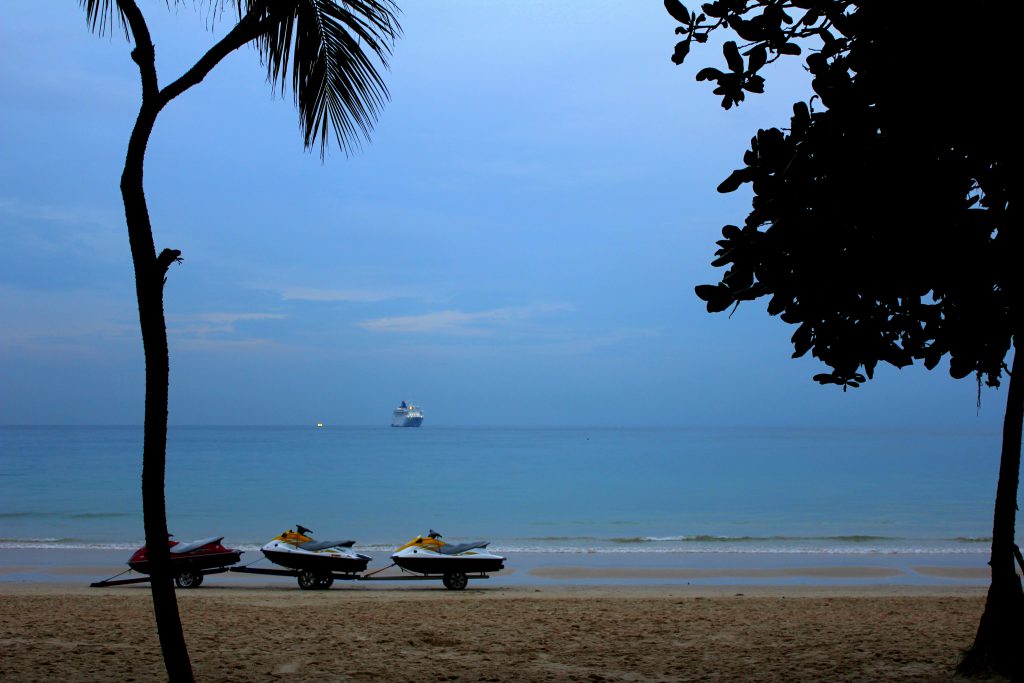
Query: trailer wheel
x,y
455,581
325,581
307,580
188,578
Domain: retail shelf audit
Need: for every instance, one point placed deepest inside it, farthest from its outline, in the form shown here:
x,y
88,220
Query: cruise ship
x,y
407,415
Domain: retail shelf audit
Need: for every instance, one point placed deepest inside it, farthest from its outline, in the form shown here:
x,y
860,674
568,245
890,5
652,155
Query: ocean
x,y
742,490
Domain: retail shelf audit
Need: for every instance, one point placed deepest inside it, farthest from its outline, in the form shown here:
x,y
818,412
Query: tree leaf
x,y
714,9
705,292
331,49
754,84
709,74
788,49
682,49
757,57
678,11
732,57
802,339
735,179
103,16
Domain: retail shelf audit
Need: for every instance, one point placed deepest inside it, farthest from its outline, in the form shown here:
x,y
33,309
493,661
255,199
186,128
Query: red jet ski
x,y
189,561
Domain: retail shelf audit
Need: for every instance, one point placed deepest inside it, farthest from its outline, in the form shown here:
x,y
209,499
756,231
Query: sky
x,y
517,245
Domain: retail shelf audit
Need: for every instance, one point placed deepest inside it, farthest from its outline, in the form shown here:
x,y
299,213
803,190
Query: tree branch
x,y
144,54
245,31
166,258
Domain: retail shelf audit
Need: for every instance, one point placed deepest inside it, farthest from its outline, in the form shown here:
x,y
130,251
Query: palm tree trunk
x,y
999,643
165,604
149,285
149,281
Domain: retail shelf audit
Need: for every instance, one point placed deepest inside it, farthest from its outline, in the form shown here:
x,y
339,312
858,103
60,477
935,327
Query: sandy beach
x,y
361,632
547,617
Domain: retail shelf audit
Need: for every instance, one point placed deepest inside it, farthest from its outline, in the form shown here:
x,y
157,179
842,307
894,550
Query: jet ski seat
x,y
456,548
324,545
194,545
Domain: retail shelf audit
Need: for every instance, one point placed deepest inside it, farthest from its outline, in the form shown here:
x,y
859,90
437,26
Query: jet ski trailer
x,y
311,580
318,564
430,555
190,562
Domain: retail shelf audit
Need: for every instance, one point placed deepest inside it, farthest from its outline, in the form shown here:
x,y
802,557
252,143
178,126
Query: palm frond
x,y
103,16
333,48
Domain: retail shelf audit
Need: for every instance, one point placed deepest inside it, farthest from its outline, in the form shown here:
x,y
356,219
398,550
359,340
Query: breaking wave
x,y
705,538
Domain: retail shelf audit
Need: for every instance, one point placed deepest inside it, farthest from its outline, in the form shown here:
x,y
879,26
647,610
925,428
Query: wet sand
x,y
421,632
82,566
571,572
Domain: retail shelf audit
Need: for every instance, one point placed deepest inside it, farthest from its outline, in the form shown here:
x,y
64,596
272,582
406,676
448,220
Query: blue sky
x,y
517,245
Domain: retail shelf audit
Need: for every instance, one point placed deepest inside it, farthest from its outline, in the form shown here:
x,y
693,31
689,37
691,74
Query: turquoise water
x,y
543,490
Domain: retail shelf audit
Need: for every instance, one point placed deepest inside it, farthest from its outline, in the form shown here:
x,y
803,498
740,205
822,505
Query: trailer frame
x,y
309,580
195,576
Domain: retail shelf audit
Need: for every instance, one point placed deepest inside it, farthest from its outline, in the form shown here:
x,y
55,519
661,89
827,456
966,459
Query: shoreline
x,y
83,566
268,588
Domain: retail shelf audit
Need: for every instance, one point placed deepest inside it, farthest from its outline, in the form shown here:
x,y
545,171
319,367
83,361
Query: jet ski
x,y
430,555
189,560
316,561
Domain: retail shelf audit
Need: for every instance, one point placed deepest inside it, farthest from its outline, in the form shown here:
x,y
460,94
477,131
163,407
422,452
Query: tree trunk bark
x,y
149,282
999,643
149,288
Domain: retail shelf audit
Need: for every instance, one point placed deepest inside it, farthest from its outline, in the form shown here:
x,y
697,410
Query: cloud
x,y
40,322
458,322
205,324
54,214
54,228
232,318
352,295
225,345
581,342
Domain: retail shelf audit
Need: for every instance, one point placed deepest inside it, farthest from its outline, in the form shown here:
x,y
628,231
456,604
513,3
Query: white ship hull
x,y
407,416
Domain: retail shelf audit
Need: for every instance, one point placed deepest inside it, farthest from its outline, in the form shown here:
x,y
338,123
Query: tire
x,y
307,580
325,581
188,578
455,581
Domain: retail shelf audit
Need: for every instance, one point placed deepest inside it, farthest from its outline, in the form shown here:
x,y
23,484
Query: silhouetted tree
x,y
329,47
884,222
